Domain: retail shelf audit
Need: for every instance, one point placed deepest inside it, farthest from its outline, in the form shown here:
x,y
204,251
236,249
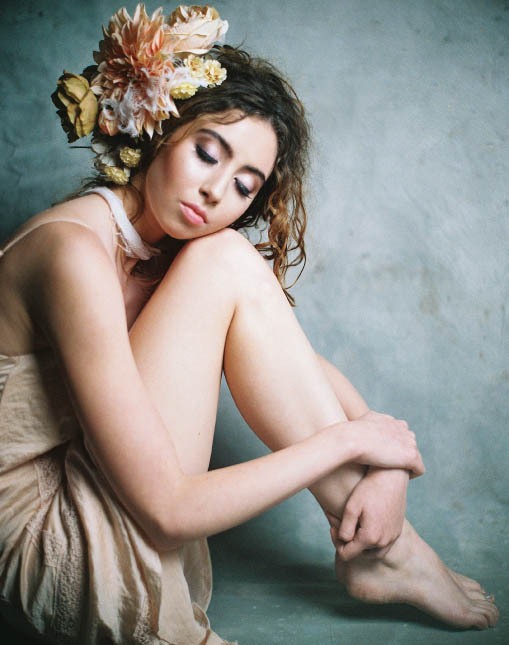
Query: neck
x,y
136,209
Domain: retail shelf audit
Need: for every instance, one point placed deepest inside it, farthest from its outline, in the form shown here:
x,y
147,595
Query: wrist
x,y
350,449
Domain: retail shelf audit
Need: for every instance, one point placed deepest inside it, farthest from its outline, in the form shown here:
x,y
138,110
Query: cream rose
x,y
195,29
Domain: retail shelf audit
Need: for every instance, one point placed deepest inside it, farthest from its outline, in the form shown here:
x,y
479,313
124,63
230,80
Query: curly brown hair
x,y
254,87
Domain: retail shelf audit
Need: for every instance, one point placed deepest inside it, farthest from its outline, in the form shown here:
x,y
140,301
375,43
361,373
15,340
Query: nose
x,y
213,187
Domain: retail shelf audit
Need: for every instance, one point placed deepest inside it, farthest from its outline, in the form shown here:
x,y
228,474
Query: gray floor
x,y
262,596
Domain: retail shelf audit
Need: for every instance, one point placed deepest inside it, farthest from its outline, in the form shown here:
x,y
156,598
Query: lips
x,y
193,213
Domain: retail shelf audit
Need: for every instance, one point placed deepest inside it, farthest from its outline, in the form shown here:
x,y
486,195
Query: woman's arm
x,y
77,300
374,513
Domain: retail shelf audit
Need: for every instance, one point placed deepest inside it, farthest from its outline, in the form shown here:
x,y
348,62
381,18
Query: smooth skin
x,y
160,357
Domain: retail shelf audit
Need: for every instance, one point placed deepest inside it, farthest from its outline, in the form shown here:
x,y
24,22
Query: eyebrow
x,y
229,151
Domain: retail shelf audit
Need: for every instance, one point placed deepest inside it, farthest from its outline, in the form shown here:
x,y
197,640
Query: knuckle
x,y
372,537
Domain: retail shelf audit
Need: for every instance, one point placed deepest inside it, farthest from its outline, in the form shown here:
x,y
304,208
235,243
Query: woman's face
x,y
205,181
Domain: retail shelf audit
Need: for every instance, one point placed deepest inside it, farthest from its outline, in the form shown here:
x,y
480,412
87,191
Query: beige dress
x,y
73,564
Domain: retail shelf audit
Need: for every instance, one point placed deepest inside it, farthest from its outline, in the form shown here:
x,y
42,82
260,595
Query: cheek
x,y
183,171
237,208
156,176
166,168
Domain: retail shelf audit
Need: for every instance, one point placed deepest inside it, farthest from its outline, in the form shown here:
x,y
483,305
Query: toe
x,y
489,612
477,595
467,583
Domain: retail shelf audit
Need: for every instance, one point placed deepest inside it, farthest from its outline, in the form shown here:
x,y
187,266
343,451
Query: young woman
x,y
121,309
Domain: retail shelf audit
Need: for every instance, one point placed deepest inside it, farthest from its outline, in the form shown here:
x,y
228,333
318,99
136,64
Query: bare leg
x,y
218,304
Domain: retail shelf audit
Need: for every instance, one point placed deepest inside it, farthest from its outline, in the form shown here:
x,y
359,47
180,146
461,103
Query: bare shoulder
x,y
47,267
82,221
46,250
62,244
39,235
58,262
69,266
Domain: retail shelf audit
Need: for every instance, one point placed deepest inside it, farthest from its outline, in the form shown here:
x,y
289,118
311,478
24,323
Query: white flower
x,y
106,153
195,29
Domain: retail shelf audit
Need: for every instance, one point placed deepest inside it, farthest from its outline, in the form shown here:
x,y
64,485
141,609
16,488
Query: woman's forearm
x,y
220,499
198,502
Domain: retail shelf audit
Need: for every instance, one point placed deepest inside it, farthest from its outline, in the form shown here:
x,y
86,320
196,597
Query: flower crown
x,y
143,64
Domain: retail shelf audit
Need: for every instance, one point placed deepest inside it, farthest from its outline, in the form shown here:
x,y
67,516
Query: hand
x,y
385,442
373,516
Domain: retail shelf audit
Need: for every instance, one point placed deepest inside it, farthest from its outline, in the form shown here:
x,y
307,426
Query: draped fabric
x,y
73,564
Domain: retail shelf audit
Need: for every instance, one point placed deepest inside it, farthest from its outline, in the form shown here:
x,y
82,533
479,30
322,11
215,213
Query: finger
x,y
349,523
355,547
350,550
418,468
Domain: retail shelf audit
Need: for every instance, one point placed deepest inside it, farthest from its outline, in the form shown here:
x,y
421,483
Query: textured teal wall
x,y
407,281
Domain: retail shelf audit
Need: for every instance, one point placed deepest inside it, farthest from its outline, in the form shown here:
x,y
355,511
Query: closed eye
x,y
242,189
204,155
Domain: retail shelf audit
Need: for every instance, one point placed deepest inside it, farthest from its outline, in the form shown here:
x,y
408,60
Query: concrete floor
x,y
262,598
274,581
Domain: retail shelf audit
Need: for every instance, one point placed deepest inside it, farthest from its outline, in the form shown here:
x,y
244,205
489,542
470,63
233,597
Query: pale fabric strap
x,y
30,229
133,245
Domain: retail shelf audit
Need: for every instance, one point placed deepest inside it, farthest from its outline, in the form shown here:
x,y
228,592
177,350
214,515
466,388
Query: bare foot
x,y
467,583
411,572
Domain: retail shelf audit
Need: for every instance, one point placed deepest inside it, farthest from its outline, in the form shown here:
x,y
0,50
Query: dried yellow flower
x,y
130,157
213,72
77,105
116,175
183,91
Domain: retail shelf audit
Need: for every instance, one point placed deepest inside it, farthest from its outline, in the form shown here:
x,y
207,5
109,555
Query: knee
x,y
231,256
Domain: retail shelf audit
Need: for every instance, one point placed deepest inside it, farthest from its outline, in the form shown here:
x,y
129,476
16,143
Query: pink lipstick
x,y
193,213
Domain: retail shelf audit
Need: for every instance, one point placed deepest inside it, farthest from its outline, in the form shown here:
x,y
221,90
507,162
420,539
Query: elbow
x,y
164,538
172,526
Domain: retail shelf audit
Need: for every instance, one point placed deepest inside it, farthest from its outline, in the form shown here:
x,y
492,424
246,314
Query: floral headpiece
x,y
143,64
